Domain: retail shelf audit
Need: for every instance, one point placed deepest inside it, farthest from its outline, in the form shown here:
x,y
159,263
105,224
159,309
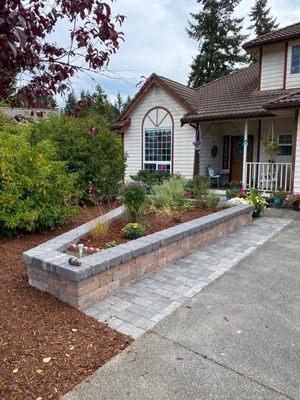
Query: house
x,y
32,113
226,124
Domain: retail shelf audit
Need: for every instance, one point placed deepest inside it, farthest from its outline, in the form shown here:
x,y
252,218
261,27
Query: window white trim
x,y
286,144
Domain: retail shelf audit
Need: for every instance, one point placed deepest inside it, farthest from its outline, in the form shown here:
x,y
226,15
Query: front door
x,y
237,150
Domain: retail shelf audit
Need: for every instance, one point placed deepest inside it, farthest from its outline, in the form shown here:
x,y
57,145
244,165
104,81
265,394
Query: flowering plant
x,y
257,199
187,194
134,230
237,200
232,193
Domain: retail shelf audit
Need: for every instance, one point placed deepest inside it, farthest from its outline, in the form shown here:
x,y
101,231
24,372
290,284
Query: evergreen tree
x,y
262,21
102,105
219,36
126,102
119,103
71,102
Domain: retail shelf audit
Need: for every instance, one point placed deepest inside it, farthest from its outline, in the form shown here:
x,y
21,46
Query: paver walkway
x,y
238,339
138,308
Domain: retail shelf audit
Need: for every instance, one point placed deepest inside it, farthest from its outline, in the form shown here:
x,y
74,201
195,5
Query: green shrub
x,y
134,230
169,195
89,148
134,197
150,178
36,190
213,200
198,187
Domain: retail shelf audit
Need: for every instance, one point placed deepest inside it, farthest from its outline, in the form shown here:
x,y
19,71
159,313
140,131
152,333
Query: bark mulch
x,y
154,223
46,346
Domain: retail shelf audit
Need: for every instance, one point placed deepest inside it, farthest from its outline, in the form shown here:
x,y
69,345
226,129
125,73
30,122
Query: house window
x,y
295,65
158,140
158,149
285,145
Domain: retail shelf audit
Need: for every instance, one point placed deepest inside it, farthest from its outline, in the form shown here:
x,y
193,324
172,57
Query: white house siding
x,y
183,136
272,71
297,160
292,80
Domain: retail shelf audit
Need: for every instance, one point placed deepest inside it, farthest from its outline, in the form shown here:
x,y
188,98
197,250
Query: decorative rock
x,y
74,261
91,250
73,247
97,250
86,249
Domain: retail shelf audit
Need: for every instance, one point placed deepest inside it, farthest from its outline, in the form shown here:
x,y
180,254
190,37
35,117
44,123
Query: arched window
x,y
158,129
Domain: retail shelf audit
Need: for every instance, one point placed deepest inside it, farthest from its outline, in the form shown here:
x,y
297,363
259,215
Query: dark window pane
x,y
295,64
158,145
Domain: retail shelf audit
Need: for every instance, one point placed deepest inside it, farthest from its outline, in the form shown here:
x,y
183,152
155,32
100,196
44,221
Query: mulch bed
x,y
154,223
35,326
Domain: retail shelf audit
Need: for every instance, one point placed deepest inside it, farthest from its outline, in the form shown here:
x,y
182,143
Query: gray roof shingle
x,y
233,96
286,33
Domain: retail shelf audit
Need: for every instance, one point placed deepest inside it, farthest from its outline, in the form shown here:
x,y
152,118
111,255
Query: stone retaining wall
x,y
107,272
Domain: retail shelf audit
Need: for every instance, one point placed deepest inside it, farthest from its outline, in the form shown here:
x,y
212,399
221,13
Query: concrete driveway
x,y
239,339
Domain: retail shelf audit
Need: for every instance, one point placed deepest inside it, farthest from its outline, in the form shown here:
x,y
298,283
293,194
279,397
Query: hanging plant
x,y
271,147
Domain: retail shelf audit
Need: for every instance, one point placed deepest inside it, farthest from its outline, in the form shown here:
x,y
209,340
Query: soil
x,y
154,223
46,346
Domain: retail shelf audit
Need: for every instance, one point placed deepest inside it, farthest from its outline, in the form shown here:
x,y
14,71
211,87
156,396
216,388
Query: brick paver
x,y
139,307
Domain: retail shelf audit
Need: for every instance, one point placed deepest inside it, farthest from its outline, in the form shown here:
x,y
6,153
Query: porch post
x,y
295,173
245,155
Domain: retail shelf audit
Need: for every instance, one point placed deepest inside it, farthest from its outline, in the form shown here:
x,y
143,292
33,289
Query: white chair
x,y
213,178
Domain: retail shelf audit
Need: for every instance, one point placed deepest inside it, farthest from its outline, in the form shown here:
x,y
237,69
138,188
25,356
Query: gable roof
x,y
286,33
233,96
182,94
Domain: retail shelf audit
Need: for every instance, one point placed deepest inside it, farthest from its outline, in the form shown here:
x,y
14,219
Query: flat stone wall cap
x,y
124,251
73,273
97,262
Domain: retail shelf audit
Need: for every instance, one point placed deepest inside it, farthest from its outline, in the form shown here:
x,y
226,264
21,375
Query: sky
x,y
156,41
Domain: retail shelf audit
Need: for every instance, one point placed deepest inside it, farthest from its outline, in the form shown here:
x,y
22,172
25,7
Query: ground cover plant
x,y
34,326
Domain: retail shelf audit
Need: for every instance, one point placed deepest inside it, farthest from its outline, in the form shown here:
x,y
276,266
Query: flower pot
x,y
277,202
256,212
235,187
296,205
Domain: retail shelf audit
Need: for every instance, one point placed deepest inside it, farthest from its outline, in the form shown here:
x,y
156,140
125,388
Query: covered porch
x,y
260,153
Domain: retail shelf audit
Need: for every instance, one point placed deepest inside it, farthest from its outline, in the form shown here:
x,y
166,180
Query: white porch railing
x,y
269,177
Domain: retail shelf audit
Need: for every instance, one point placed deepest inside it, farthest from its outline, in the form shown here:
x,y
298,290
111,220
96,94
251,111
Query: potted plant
x,y
258,200
278,198
271,147
235,185
293,201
